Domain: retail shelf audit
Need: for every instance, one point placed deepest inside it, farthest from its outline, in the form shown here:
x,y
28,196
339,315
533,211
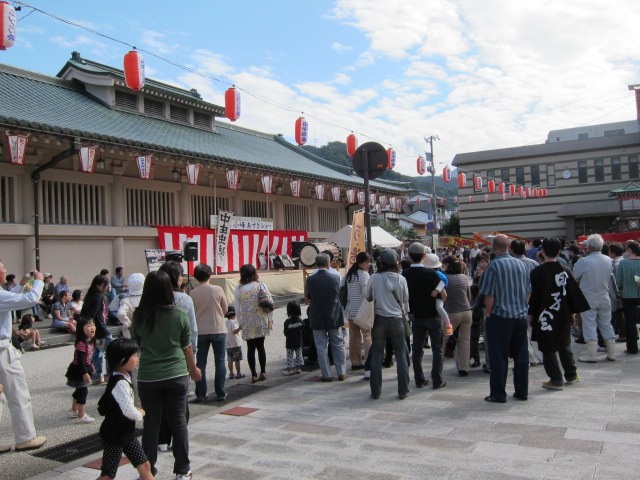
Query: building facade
x,y
578,175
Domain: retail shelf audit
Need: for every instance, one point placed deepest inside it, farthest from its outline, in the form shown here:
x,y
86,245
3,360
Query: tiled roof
x,y
36,102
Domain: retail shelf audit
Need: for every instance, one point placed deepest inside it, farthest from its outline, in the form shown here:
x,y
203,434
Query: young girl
x,y
80,369
26,332
233,343
293,333
120,414
439,293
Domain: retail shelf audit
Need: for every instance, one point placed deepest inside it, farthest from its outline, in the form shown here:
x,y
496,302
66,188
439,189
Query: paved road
x,y
306,429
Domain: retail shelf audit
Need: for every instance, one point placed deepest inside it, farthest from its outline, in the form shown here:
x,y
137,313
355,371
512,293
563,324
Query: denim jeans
x,y
508,338
172,395
334,338
98,356
217,341
421,328
393,328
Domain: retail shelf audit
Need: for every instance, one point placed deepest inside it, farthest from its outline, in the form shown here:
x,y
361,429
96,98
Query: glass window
x,y
583,136
599,170
616,173
633,167
491,174
535,175
504,174
520,175
551,175
582,171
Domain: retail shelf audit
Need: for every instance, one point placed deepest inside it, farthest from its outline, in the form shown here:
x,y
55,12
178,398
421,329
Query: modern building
x,y
576,167
82,222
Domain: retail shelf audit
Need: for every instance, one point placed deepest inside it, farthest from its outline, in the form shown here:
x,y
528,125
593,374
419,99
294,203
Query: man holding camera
x,y
12,375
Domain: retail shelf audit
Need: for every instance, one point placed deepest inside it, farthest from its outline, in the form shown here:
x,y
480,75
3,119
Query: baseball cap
x,y
388,256
432,261
231,312
416,247
47,275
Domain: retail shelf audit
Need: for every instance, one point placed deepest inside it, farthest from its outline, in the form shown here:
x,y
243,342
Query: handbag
x,y
405,319
365,315
265,301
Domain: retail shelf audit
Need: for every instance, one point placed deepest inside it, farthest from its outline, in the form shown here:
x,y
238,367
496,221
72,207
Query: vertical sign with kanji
x,y
222,236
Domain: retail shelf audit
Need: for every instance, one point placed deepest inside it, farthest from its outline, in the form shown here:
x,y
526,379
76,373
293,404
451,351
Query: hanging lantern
x,y
470,199
399,205
372,200
504,196
351,196
512,189
193,171
392,203
320,191
134,70
378,209
352,144
528,192
462,180
534,192
144,166
491,186
501,188
521,191
302,131
486,197
455,199
17,148
87,156
446,174
335,194
545,192
383,200
232,179
361,198
422,165
267,184
295,187
477,183
391,158
8,22
232,104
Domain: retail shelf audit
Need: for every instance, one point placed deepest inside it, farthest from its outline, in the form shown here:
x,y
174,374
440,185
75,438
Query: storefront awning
x,y
589,209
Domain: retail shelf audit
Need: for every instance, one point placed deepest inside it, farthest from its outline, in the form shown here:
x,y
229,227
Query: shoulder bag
x,y
364,317
264,299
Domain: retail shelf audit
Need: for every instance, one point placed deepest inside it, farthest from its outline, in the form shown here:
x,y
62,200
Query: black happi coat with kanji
x,y
555,296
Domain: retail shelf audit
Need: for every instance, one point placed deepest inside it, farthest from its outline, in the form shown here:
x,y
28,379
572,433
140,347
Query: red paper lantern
x,y
87,157
352,145
470,199
462,180
512,189
391,158
527,192
477,184
421,165
8,22
134,70
501,188
17,148
302,131
232,104
521,191
446,174
491,186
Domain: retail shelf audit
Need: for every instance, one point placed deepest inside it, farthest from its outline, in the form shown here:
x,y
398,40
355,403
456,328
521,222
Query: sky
x,y
479,74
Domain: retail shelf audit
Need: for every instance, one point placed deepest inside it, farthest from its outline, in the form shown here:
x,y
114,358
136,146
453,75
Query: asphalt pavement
x,y
296,427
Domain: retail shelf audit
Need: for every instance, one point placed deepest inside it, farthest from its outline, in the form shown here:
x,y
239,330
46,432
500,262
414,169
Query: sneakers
x,y
98,380
184,476
552,385
86,419
73,413
572,381
240,375
5,448
32,444
163,447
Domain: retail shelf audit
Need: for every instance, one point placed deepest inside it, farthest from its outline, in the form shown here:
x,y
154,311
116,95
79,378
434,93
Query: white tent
x,y
380,237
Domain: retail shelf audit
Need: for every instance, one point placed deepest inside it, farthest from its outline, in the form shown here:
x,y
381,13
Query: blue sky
x,y
479,74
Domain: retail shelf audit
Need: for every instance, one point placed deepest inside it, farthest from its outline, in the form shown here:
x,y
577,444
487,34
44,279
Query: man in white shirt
x,y
12,375
593,273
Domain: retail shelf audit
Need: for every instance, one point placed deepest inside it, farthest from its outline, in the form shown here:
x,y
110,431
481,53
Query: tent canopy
x,y
380,237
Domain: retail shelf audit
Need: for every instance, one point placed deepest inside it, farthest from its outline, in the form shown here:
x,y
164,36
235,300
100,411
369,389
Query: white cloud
x,y
338,47
155,42
341,79
212,63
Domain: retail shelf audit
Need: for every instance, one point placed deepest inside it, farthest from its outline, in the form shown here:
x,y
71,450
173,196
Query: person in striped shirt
x,y
506,288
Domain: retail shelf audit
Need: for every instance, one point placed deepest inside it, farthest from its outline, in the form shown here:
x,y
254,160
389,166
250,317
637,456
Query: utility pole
x,y
431,168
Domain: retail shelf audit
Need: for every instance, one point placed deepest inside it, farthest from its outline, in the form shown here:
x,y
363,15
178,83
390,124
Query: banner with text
x,y
356,244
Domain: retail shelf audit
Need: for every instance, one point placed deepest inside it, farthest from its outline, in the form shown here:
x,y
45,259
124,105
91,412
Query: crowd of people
x,y
507,295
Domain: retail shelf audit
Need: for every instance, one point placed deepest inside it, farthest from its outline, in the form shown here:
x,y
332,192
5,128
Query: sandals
x,y
240,375
254,379
262,377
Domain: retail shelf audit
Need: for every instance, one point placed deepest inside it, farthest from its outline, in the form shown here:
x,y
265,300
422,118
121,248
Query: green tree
x,y
451,227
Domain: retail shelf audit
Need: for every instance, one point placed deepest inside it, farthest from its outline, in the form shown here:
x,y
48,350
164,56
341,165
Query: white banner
x,y
245,223
222,236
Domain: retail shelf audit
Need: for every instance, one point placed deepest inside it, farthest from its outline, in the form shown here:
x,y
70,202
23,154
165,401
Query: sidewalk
x,y
307,429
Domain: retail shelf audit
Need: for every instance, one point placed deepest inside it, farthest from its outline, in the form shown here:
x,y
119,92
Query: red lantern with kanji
x,y
87,157
462,180
232,179
477,184
17,148
501,188
512,189
267,184
232,104
391,158
521,191
302,131
8,23
421,164
134,70
144,166
295,186
446,174
527,192
491,186
352,144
